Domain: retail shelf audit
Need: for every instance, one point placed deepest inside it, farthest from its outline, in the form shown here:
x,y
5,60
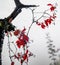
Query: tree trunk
x,y
1,45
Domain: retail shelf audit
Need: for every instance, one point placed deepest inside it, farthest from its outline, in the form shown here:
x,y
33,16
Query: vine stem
x,y
10,50
9,47
33,20
30,28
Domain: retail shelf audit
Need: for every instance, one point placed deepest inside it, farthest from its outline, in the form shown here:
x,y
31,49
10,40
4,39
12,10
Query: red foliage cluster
x,y
21,42
26,55
22,39
23,57
52,8
46,22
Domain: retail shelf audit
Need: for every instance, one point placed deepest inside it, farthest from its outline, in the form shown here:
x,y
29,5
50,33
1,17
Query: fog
x,y
37,34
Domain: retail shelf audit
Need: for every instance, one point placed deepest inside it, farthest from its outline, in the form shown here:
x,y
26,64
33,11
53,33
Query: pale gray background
x,y
38,47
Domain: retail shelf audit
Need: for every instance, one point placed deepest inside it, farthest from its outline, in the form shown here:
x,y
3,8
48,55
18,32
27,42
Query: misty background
x,y
37,34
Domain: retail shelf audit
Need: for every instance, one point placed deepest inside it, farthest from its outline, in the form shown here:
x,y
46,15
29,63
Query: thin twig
x,y
10,49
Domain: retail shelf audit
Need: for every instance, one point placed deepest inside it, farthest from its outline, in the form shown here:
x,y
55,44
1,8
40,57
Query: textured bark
x,y
1,45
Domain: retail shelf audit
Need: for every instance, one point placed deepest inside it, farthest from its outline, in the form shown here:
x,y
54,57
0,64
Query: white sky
x,y
38,47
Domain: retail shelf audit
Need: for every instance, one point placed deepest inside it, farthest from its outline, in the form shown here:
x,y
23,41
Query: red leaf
x,y
38,23
26,51
52,8
49,4
18,43
12,63
21,61
16,32
25,57
24,30
26,38
48,21
42,26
